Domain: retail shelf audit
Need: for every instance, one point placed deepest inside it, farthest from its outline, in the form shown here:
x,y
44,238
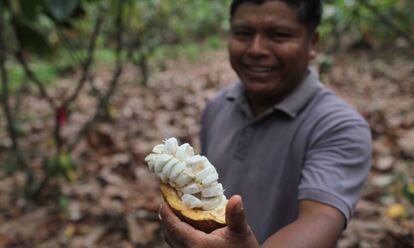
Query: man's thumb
x,y
235,216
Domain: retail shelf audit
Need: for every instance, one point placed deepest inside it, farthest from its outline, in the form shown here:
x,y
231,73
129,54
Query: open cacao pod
x,y
189,184
203,220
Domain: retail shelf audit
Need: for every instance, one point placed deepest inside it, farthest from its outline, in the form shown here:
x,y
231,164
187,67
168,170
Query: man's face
x,y
269,48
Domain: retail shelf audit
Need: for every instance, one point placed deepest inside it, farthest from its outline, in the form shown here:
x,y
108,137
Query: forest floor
x,y
113,199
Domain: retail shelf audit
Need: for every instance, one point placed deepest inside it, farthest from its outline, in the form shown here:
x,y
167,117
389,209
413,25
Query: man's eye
x,y
242,34
279,35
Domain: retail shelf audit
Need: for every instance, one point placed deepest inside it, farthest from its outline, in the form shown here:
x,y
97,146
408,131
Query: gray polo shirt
x,y
312,145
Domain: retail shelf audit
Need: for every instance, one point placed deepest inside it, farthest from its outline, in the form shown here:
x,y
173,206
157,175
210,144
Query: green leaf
x,y
61,9
28,8
90,1
50,166
32,40
63,202
409,192
67,166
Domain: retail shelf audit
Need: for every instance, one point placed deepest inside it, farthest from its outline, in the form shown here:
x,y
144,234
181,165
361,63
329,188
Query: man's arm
x,y
318,225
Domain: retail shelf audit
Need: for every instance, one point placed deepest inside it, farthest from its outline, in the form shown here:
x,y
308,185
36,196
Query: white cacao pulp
x,y
193,176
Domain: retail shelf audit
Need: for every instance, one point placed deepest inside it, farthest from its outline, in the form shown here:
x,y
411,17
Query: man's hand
x,y
237,233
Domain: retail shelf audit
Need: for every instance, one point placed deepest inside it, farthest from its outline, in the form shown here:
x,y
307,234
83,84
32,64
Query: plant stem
x,y
21,59
11,127
87,64
105,99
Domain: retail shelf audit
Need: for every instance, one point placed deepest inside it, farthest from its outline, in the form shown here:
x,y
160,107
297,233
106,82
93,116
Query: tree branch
x,y
88,62
21,59
104,100
119,62
11,127
63,109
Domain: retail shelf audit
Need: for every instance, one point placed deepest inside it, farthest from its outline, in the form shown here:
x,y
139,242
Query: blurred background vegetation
x,y
43,42
54,35
46,40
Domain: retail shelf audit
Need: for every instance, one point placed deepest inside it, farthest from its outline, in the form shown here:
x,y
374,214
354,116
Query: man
x,y
295,152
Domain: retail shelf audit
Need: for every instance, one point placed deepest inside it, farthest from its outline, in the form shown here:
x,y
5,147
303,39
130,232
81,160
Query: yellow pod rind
x,y
203,220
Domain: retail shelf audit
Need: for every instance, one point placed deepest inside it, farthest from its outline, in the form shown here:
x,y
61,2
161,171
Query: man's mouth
x,y
260,69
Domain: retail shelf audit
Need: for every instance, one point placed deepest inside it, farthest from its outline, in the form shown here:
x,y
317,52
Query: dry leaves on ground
x,y
113,201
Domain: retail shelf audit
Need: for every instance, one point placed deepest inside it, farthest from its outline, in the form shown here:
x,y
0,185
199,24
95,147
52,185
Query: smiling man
x,y
270,50
294,151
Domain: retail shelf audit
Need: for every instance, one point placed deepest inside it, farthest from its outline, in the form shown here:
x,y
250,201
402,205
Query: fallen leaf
x,y
384,163
4,240
141,232
406,143
396,211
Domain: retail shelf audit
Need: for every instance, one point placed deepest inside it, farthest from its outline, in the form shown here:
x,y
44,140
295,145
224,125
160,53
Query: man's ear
x,y
313,51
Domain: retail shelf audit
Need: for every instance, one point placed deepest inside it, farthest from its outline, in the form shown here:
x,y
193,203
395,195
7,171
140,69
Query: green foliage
x,y
152,23
33,41
372,21
29,8
63,202
409,191
61,9
60,164
204,18
215,42
46,72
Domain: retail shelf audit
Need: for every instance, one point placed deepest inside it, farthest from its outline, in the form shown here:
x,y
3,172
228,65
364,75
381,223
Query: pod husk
x,y
206,221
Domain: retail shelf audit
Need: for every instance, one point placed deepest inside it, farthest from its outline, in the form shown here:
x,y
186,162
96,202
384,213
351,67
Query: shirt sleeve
x,y
337,164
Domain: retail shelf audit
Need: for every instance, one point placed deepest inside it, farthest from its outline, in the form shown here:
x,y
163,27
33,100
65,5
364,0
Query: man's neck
x,y
259,104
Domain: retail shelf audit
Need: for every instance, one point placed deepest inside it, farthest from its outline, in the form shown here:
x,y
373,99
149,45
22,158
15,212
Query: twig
x,y
87,64
11,127
62,109
119,62
104,100
76,59
31,75
34,78
23,62
35,193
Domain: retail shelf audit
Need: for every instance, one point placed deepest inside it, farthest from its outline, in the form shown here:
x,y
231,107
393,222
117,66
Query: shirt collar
x,y
235,92
294,102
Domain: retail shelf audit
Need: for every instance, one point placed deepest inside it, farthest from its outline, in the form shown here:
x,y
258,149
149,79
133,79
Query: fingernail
x,y
239,208
159,213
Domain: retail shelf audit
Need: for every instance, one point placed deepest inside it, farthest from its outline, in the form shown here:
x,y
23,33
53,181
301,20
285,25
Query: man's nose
x,y
258,46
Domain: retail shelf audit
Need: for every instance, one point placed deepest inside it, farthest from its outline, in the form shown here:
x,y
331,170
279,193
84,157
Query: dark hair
x,y
309,11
